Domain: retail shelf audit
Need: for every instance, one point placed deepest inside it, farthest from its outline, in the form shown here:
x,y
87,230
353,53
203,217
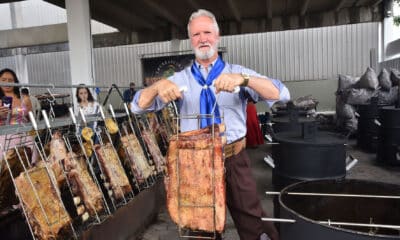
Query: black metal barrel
x,y
368,129
389,141
307,211
290,119
308,155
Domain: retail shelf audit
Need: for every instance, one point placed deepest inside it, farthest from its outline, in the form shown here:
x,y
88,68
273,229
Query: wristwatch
x,y
246,78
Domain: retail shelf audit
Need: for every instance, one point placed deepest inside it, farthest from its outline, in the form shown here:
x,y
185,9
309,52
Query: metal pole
x,y
3,84
284,220
334,195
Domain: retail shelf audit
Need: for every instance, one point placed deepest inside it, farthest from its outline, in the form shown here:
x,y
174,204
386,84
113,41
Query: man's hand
x,y
227,82
167,90
4,111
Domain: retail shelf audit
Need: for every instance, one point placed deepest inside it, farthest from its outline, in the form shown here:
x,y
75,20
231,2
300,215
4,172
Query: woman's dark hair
x,y
90,96
15,89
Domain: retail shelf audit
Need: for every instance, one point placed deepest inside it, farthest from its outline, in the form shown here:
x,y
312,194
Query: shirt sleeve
x,y
284,94
155,106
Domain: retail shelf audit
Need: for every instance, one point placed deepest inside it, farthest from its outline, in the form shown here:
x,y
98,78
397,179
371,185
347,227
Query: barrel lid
x,y
321,138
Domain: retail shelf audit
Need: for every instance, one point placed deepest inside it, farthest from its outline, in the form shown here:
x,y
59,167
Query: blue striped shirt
x,y
232,106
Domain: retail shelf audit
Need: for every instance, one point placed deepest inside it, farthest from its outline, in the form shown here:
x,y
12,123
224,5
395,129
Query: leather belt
x,y
235,148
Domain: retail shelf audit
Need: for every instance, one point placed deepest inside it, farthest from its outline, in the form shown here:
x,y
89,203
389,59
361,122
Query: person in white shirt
x,y
36,107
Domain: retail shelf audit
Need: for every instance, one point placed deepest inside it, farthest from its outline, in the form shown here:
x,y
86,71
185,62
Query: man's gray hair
x,y
203,13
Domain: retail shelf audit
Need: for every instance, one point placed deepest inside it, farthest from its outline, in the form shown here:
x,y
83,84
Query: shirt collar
x,y
209,66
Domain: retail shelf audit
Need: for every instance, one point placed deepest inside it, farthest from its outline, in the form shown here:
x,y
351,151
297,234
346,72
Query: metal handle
x,y
126,109
111,110
268,137
82,115
269,161
46,119
102,113
33,121
351,164
72,114
183,89
356,114
376,121
284,220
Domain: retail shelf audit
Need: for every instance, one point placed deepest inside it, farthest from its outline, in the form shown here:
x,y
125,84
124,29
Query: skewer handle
x,y
46,119
71,112
33,121
126,109
183,89
82,115
111,110
102,113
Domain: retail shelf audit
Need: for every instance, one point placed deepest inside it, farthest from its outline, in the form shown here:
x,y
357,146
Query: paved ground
x,y
164,229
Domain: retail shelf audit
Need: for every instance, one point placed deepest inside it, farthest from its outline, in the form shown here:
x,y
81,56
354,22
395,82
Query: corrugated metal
x,y
394,63
121,65
8,62
51,68
307,54
5,16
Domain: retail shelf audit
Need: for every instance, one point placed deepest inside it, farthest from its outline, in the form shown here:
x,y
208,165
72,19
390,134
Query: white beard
x,y
205,55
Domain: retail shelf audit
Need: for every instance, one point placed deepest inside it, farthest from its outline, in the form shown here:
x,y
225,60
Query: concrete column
x,y
20,55
22,65
80,42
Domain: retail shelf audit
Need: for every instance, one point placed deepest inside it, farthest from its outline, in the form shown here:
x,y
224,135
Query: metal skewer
x,y
372,225
333,195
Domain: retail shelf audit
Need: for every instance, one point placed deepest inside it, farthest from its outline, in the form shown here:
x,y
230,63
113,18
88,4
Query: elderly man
x,y
207,76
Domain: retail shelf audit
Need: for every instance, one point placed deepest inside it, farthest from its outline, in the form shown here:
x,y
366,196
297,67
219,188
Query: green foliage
x,y
396,19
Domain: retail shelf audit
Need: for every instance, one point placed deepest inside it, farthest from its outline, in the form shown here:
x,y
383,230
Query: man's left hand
x,y
227,82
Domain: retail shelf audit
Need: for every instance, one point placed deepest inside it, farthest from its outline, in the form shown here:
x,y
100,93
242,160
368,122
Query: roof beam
x,y
304,7
163,12
339,5
269,9
234,9
122,14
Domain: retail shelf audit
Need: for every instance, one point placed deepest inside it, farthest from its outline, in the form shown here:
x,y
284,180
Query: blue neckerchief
x,y
207,98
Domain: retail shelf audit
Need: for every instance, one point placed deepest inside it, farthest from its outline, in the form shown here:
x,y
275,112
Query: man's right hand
x,y
167,90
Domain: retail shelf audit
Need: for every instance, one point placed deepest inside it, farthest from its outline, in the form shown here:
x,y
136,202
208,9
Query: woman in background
x,y
88,105
13,111
86,101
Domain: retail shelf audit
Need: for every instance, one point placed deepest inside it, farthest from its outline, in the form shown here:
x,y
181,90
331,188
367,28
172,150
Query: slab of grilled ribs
x,y
136,159
195,181
77,173
58,152
7,190
82,183
46,223
154,150
112,168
